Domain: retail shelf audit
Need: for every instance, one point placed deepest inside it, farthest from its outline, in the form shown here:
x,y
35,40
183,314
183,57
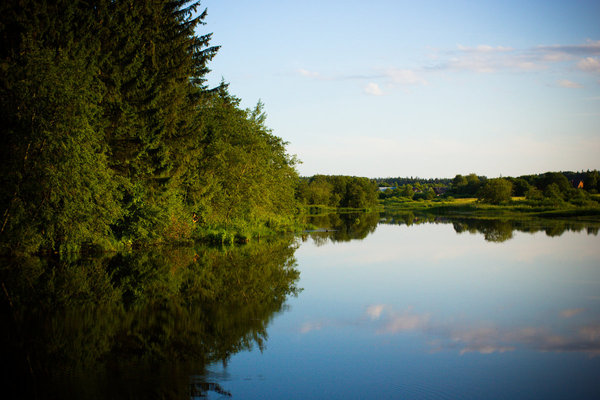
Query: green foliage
x,y
520,187
495,191
466,186
534,193
338,191
560,182
58,192
242,173
428,194
407,191
110,136
591,181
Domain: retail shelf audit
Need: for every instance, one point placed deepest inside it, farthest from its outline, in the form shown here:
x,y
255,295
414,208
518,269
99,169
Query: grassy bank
x,y
518,207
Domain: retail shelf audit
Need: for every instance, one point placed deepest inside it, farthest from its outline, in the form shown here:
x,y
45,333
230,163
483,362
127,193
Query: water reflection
x,y
494,229
424,307
462,336
335,227
488,338
137,325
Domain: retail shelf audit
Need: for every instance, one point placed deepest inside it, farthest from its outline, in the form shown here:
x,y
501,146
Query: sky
x,y
426,89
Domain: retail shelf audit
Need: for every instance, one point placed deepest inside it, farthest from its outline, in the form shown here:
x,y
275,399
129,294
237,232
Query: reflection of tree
x,y
497,231
343,227
95,325
494,230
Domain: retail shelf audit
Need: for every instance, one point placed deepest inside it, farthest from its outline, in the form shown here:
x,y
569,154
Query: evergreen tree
x,y
110,135
57,190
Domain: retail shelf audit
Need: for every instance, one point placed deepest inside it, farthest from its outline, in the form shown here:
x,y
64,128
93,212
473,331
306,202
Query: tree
x,y
407,191
591,180
549,178
459,181
473,184
520,187
342,191
57,190
495,191
153,69
242,171
110,135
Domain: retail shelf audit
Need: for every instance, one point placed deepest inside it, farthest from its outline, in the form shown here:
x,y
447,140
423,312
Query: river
x,y
373,307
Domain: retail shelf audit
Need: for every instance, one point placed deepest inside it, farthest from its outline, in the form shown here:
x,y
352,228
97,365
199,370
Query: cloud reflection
x,y
487,338
473,337
374,312
571,312
404,321
311,326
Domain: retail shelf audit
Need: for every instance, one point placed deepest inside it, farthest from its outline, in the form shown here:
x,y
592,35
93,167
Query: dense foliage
x,y
551,189
111,137
495,191
338,191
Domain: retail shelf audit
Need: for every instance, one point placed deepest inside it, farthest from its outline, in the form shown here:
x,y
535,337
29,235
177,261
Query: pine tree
x,y
57,190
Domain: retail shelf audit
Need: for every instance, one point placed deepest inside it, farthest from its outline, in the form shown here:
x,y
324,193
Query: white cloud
x,y
589,64
404,77
484,48
569,84
590,47
486,59
309,74
373,89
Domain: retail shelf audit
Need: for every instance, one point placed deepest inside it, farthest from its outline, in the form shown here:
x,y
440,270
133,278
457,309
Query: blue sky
x,y
427,88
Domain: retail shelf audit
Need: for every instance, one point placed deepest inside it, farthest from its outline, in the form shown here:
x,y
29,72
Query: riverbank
x,y
518,207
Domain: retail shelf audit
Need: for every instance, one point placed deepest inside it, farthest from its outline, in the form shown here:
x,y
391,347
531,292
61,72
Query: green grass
x,y
518,207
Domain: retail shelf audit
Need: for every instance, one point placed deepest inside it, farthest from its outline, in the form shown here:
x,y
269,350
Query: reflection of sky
x,y
481,337
534,292
410,303
433,269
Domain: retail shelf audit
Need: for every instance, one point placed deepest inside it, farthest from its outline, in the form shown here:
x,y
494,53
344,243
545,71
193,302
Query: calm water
x,y
438,310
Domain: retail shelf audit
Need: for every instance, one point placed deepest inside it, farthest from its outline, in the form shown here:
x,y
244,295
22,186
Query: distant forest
x,y
338,191
445,182
551,187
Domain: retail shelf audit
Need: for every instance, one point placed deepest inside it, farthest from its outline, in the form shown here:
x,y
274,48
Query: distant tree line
x,y
338,191
399,181
550,187
110,136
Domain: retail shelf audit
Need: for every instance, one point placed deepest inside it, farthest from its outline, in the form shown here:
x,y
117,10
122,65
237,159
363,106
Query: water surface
x,y
423,312
375,307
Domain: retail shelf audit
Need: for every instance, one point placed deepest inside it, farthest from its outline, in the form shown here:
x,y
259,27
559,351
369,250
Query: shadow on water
x,y
137,325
